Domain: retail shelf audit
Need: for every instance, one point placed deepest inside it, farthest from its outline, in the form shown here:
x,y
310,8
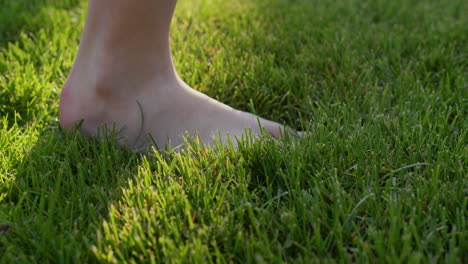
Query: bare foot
x,y
163,111
123,79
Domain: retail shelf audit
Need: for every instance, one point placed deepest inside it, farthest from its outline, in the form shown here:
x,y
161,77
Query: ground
x,y
379,85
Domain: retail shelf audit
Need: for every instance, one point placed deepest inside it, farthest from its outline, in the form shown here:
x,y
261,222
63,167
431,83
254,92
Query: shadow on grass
x,y
63,186
22,16
34,57
72,198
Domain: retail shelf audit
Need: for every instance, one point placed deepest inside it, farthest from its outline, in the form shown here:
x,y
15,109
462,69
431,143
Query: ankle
x,y
108,76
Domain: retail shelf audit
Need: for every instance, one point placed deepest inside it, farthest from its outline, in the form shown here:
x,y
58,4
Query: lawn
x,y
381,87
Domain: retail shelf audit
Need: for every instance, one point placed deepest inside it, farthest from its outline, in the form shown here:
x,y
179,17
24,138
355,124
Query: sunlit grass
x,y
380,85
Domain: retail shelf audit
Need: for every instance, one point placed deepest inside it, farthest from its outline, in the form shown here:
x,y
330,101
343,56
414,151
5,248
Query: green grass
x,y
380,85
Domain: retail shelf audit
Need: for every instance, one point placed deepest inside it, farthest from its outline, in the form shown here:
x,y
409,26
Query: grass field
x,y
380,85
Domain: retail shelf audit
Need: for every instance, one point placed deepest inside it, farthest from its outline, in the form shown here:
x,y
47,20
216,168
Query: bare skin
x,y
123,78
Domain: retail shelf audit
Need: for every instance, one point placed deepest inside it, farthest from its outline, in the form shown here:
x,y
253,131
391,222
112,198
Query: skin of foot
x,y
123,79
156,116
